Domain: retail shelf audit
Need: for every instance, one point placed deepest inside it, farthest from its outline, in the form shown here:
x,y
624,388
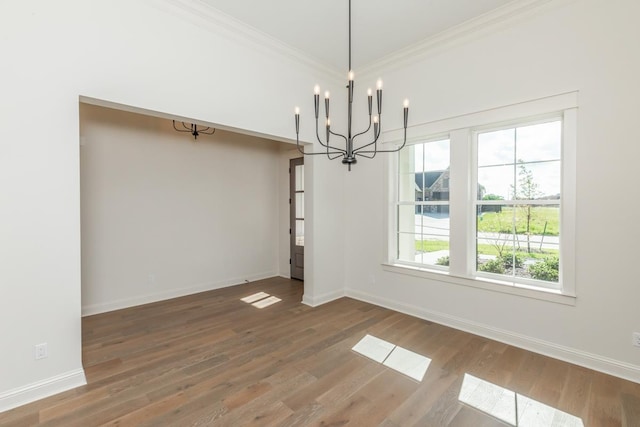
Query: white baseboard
x,y
104,307
41,389
314,301
588,360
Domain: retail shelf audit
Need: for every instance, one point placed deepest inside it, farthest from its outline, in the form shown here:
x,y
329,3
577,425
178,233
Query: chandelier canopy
x,y
350,153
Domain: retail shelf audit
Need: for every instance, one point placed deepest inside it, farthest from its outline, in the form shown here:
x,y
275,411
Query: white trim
x,y
488,23
606,365
41,389
518,289
315,301
498,115
92,309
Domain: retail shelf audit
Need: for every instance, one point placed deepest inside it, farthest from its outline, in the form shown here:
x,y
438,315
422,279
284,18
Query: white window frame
x,y
462,245
422,203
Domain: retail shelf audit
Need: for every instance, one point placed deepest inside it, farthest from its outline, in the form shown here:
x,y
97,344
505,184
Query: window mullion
x,y
460,222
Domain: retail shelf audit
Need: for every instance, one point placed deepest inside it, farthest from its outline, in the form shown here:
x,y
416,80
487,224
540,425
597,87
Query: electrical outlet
x,y
41,351
636,339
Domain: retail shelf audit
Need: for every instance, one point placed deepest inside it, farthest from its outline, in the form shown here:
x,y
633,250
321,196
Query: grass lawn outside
x,y
501,222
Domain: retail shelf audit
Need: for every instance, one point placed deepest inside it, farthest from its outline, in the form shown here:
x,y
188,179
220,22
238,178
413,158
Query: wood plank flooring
x,y
210,359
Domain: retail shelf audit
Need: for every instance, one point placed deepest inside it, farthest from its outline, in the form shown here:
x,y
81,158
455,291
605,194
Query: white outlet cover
x,y
41,351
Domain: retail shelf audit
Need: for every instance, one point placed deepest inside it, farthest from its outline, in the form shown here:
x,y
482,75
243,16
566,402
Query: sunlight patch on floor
x,y
390,355
510,407
260,300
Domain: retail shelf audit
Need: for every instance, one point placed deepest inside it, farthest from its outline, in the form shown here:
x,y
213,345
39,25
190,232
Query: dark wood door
x,y
296,209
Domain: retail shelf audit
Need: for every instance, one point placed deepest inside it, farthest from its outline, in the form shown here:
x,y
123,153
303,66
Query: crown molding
x,y
485,24
214,20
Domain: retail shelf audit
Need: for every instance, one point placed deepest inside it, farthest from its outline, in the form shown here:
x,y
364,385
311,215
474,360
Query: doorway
x,y
296,215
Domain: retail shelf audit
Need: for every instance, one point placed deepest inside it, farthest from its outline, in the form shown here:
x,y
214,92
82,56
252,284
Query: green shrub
x,y
510,261
493,266
443,260
546,270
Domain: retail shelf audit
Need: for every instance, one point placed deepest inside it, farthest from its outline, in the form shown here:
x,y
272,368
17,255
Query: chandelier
x,y
350,153
194,130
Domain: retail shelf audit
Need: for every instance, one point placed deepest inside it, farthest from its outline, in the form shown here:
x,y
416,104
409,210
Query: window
x,y
423,204
490,202
518,202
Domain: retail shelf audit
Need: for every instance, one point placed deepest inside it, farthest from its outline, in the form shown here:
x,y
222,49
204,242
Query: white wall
x,y
139,54
588,46
163,215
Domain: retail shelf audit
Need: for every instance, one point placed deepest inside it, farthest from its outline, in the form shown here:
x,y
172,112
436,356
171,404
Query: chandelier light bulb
x,y
328,122
350,75
326,94
297,110
375,119
379,84
406,103
316,90
369,92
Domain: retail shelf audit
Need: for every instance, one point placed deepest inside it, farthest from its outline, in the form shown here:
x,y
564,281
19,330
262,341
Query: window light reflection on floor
x,y
260,300
513,408
392,356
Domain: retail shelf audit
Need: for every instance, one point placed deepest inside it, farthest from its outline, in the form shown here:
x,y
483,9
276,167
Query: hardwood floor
x,y
210,359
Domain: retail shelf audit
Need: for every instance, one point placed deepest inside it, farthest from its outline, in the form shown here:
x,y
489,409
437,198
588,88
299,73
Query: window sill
x,y
550,295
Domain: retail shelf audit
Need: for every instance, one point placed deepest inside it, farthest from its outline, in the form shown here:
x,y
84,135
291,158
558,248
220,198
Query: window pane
x,y
494,222
538,180
436,156
537,226
299,177
497,256
539,142
410,187
433,250
300,205
495,182
496,147
300,232
434,220
544,266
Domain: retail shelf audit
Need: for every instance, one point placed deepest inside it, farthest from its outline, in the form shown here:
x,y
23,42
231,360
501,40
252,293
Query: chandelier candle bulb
x,y
326,104
316,100
406,114
379,84
350,75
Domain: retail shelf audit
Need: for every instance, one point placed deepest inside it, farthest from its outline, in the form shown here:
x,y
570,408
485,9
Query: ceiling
x,y
379,27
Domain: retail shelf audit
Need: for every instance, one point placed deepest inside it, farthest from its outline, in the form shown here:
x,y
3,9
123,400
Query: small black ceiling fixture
x,y
194,130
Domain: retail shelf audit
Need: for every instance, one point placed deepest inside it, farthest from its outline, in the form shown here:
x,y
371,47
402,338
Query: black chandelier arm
x,y
327,153
364,131
387,151
205,131
180,130
375,140
329,146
